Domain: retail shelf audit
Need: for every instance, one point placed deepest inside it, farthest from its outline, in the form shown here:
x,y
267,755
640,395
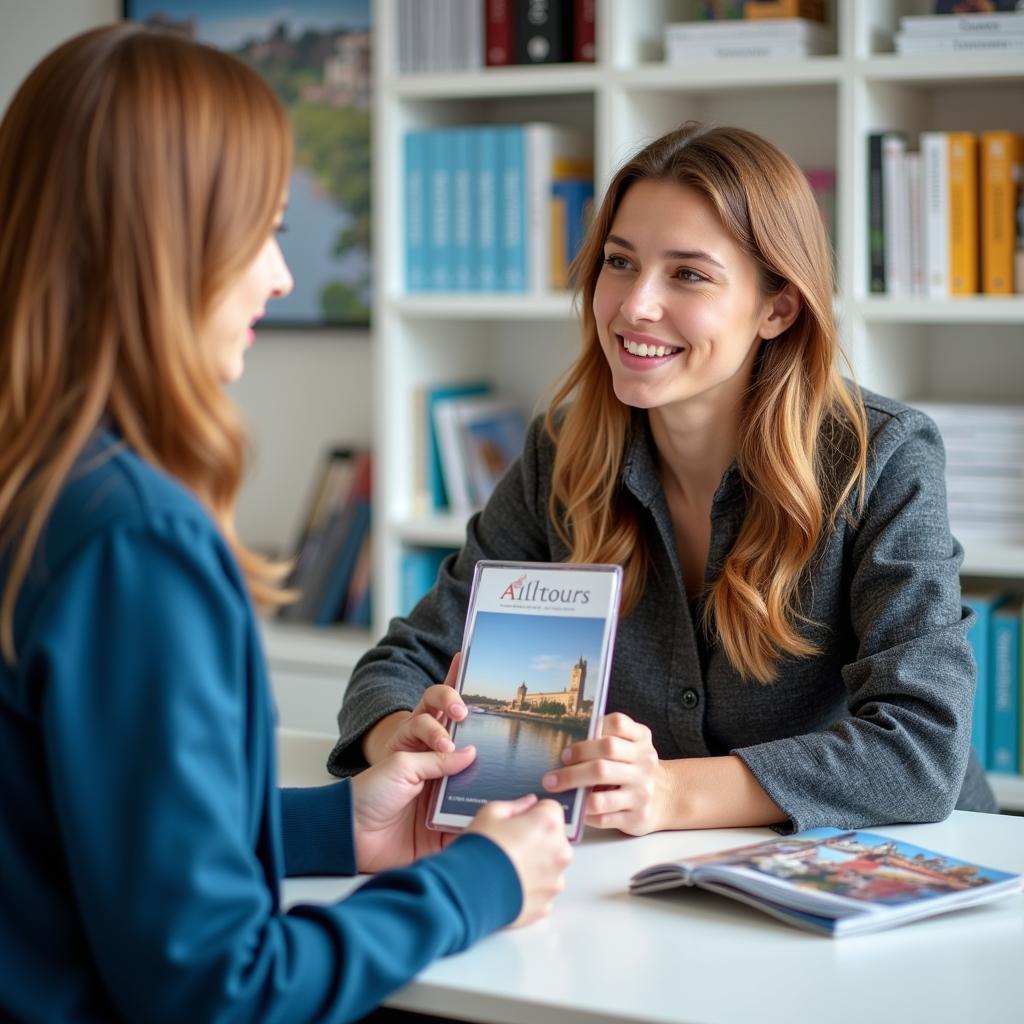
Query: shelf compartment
x,y
974,309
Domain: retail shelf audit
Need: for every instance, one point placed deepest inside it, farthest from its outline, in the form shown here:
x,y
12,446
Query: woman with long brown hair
x,y
792,648
142,182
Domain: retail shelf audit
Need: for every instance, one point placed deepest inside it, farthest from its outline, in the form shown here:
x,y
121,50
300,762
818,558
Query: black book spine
x,y
543,32
876,216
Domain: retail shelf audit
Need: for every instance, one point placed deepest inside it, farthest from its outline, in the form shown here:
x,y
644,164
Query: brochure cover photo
x,y
835,882
535,661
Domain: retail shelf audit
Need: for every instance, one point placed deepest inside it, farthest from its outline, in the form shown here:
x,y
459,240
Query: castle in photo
x,y
571,698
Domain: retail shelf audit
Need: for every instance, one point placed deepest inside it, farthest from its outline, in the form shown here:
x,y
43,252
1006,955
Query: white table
x,y
604,955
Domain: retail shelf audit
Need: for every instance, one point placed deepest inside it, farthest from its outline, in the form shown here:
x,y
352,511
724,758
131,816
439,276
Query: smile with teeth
x,y
648,350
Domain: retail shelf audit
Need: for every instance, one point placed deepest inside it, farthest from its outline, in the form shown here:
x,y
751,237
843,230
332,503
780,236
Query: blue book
x,y
488,218
415,146
512,207
352,531
464,231
982,603
435,487
439,211
420,567
1004,723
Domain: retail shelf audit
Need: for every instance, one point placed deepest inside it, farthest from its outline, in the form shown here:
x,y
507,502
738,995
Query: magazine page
x,y
861,880
535,662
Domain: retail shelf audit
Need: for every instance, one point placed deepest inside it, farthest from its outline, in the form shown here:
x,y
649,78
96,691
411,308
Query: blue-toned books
x,y
416,262
836,883
982,603
1005,720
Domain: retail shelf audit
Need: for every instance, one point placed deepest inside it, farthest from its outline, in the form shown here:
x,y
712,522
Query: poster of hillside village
x,y
316,54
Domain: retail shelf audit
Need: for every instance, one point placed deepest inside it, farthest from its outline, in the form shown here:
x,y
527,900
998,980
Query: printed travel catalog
x,y
834,882
536,655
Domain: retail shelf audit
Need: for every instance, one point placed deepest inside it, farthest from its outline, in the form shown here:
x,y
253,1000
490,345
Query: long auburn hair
x,y
797,414
140,173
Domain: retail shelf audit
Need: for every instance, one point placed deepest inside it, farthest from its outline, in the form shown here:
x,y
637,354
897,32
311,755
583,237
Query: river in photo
x,y
513,754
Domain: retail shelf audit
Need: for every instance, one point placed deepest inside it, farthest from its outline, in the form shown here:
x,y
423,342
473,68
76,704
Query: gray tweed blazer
x,y
874,729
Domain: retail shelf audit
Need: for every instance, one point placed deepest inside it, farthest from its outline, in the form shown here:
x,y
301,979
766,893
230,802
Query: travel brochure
x,y
836,882
536,655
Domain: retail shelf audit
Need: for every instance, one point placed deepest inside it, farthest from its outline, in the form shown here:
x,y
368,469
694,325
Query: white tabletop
x,y
604,955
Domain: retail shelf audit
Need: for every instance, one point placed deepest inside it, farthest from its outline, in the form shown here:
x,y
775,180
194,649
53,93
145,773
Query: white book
x,y
912,166
935,213
776,29
680,55
981,24
915,46
896,223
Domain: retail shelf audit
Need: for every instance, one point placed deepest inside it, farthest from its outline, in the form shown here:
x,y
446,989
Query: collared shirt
x,y
874,728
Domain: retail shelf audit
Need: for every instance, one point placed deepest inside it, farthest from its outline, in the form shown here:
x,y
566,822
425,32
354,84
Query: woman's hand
x,y
532,836
630,785
389,807
425,727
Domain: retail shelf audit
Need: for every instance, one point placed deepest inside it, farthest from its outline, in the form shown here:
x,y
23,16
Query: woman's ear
x,y
780,311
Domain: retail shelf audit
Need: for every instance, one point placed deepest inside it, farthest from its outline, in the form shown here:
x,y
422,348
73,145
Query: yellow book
x,y
1002,154
963,213
559,245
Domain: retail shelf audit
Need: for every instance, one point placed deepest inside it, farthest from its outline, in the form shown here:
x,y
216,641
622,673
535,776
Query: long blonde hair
x,y
798,412
140,173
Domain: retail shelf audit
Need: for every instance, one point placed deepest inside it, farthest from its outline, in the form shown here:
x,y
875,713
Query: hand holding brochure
x,y
836,883
536,656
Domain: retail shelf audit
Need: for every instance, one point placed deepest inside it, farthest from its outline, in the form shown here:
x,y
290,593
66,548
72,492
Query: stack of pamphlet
x,y
961,33
836,883
790,38
984,469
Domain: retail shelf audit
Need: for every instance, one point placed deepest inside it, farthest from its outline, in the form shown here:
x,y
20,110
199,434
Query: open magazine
x,y
836,883
536,656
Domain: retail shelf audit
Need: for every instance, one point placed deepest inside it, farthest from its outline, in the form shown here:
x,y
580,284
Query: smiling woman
x,y
793,647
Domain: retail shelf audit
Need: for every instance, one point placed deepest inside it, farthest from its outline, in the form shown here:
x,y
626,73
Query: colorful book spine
x,y
982,603
440,217
434,475
419,569
499,33
876,216
416,265
584,30
1002,157
464,230
912,167
488,214
1005,698
512,208
895,222
963,213
543,32
935,213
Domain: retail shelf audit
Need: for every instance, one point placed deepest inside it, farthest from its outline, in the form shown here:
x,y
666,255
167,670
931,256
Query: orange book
x,y
963,213
812,9
1002,156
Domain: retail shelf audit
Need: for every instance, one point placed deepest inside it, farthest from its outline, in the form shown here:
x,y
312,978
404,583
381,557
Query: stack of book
x,y
995,32
984,468
689,42
998,724
333,564
463,35
495,208
949,219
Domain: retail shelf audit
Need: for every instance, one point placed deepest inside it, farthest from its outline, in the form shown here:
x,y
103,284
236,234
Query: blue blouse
x,y
142,833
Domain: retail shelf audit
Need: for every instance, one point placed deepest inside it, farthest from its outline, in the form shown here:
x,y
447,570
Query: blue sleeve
x,y
142,657
317,830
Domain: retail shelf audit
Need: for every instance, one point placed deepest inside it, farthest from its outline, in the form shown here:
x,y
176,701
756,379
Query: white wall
x,y
301,389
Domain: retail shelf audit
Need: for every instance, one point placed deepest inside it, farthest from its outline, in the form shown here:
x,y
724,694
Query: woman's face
x,y
228,329
678,308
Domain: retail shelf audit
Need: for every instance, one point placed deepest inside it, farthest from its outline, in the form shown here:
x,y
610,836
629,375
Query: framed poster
x,y
317,55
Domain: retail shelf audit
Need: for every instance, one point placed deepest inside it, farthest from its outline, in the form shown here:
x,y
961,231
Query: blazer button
x,y
690,699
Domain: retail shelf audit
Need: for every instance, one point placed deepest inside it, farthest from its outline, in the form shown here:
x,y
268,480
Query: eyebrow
x,y
669,254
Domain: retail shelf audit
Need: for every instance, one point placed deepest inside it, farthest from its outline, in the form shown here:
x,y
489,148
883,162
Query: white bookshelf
x,y
820,110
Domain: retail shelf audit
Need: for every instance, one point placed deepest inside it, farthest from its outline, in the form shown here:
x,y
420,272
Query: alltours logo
x,y
534,590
